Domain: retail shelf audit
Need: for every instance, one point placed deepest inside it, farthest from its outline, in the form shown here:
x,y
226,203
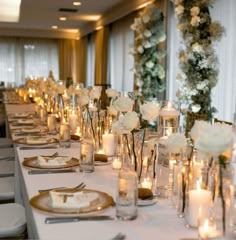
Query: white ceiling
x,y
42,14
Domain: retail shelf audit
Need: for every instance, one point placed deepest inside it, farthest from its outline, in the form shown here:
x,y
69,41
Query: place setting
x,y
49,164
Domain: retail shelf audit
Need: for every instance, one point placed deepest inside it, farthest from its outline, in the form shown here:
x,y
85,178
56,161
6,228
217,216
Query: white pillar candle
x,y
73,121
108,144
199,205
168,112
146,183
116,164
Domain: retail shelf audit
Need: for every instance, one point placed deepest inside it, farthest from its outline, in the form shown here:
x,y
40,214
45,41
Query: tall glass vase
x,y
223,196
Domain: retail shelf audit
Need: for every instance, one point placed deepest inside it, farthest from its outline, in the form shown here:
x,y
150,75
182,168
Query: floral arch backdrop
x,y
148,52
198,60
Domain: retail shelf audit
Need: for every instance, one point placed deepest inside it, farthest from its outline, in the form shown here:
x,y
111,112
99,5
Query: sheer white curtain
x,y
224,94
90,64
22,57
121,61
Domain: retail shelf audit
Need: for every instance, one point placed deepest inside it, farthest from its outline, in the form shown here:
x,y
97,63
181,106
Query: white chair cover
x,y
7,185
12,219
7,168
6,143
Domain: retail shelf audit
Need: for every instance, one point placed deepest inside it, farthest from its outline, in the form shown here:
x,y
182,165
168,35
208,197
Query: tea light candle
x,y
207,230
147,183
108,143
116,164
199,204
169,112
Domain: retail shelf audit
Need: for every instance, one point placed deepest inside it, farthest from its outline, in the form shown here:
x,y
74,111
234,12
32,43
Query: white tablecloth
x,y
159,221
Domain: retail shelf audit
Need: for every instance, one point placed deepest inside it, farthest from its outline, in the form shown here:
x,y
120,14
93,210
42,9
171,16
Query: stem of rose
x,y
133,147
141,167
222,199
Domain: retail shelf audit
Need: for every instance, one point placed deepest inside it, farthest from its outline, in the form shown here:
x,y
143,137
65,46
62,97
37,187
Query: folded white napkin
x,y
53,161
73,200
29,130
35,140
25,121
21,114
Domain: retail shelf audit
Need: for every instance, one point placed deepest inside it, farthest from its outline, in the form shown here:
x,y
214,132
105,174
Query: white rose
x,y
198,127
197,47
146,18
112,110
129,121
124,104
112,93
195,21
149,111
83,100
176,142
196,108
117,127
179,10
84,91
194,11
140,49
149,64
215,139
147,33
147,44
95,92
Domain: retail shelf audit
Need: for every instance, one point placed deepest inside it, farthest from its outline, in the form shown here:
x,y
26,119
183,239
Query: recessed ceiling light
x,y
10,10
76,3
54,27
62,18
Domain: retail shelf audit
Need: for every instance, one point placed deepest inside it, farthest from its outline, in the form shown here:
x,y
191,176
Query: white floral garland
x,y
149,32
198,61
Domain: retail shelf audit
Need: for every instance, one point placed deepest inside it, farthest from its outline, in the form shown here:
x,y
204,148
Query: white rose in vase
x,y
124,104
130,121
149,111
198,127
95,92
83,100
176,143
112,93
215,139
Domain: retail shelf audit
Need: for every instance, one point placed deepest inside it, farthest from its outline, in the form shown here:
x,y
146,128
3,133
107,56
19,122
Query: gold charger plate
x,y
32,162
43,142
42,202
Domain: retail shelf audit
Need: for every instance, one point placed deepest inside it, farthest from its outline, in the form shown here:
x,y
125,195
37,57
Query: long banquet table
x,y
157,221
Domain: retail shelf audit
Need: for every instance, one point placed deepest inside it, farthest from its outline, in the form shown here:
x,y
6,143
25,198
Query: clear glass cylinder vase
x,y
223,197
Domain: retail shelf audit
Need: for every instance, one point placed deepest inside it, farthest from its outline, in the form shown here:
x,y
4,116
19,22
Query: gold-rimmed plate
x,y
33,163
43,202
35,141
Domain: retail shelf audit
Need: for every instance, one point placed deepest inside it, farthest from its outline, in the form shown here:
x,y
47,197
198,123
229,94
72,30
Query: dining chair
x,y
12,221
6,142
7,189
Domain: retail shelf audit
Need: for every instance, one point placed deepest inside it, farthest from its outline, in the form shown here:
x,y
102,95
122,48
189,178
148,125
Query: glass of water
x,y
127,195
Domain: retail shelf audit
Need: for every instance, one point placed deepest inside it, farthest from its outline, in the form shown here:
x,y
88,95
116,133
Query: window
x,y
90,65
22,57
121,61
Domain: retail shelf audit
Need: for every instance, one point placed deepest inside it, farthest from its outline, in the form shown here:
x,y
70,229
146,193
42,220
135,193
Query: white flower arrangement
x,y
198,61
213,140
149,32
176,143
